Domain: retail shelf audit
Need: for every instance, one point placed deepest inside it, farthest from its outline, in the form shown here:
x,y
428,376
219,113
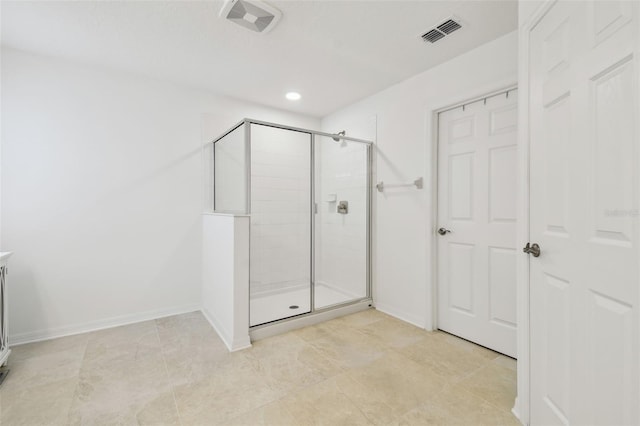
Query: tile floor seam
x,y
398,352
287,394
359,409
472,372
345,380
384,341
358,406
362,333
481,396
442,389
342,370
68,411
166,370
449,383
459,380
78,379
257,373
483,400
343,393
484,364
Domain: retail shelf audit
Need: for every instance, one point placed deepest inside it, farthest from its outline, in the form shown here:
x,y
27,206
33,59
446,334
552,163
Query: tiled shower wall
x,y
280,209
342,238
280,213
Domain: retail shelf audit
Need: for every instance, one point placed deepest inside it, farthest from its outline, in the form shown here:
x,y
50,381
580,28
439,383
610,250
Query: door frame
x,y
523,400
432,133
520,410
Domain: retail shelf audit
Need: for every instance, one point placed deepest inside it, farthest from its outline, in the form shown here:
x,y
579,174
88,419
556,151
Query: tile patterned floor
x,y
363,369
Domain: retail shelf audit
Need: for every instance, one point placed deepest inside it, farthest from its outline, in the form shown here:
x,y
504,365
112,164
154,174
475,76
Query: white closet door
x,y
477,204
584,214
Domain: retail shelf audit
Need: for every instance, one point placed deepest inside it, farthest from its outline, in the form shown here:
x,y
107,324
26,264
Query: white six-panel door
x,y
584,194
477,164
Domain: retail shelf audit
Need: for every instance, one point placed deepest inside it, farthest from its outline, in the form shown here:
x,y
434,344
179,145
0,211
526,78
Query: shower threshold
x,y
275,306
282,326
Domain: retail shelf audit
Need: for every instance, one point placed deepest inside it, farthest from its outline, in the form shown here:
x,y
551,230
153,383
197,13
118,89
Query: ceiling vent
x,y
442,30
254,15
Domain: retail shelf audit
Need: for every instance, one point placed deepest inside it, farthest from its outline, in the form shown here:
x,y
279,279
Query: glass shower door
x,y
280,233
341,221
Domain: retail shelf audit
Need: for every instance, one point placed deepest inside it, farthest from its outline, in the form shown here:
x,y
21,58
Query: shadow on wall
x,y
28,295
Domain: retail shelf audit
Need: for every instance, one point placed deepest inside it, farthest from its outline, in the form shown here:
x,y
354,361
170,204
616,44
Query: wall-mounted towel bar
x,y
418,183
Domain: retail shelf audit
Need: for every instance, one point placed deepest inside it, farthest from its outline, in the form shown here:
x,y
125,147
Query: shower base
x,y
272,307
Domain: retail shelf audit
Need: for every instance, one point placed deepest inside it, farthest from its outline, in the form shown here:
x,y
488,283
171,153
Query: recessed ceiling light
x,y
293,96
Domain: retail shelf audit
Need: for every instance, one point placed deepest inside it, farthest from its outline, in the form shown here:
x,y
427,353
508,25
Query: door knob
x,y
443,231
533,249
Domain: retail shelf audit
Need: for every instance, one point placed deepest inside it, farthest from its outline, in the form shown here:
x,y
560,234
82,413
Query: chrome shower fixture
x,y
342,133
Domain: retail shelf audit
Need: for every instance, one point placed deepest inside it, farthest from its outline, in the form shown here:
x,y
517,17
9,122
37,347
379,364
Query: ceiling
x,y
332,52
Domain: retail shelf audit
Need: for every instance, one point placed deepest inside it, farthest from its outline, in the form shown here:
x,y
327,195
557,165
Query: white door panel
x,y
477,202
584,214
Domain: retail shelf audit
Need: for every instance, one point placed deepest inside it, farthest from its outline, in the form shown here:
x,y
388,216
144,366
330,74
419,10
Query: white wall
x,y
101,192
404,148
225,273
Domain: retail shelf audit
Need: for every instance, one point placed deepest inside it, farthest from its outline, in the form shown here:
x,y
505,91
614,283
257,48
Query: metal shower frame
x,y
246,123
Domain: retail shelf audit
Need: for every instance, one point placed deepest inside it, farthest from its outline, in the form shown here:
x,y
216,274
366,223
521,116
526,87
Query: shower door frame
x,y
247,122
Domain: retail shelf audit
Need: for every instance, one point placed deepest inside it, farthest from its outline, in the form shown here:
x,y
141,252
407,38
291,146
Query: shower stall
x,y
307,197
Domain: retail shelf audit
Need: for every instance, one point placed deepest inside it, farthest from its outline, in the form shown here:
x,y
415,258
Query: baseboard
x,y
232,344
516,410
240,344
53,333
397,313
213,321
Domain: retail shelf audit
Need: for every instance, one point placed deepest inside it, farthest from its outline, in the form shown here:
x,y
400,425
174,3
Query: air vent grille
x,y
441,30
449,26
432,36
